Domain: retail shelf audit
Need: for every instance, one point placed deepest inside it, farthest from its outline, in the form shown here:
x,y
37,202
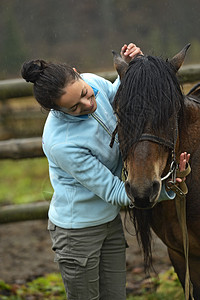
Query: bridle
x,y
168,144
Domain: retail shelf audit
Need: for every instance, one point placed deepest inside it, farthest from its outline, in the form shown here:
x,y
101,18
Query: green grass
x,y
24,181
47,287
51,287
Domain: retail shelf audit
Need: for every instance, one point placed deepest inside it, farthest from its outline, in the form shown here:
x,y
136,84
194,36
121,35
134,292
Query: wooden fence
x,y
31,147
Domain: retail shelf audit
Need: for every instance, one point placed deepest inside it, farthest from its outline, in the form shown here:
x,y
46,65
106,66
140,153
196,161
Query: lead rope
x,y
180,203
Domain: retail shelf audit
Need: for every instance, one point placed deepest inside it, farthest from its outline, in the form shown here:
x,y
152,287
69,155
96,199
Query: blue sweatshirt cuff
x,y
166,194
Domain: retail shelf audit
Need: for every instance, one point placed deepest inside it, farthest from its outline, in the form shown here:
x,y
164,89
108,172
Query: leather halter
x,y
166,143
156,139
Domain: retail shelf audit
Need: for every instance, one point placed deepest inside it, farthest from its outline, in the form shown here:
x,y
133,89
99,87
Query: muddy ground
x,y
25,253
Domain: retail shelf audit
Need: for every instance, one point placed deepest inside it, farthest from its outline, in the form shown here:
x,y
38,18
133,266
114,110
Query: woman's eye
x,y
84,93
74,108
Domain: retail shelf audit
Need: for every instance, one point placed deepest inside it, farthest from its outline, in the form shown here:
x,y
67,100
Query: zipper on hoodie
x,y
94,115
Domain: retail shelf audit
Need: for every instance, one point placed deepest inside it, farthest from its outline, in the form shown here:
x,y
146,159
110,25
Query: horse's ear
x,y
120,65
178,59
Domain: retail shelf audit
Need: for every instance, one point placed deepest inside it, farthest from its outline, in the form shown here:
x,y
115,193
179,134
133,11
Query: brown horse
x,y
156,123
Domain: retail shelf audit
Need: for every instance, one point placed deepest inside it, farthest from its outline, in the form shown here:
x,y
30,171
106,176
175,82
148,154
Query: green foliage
x,y
50,287
170,284
167,287
12,46
24,181
4,286
47,287
83,33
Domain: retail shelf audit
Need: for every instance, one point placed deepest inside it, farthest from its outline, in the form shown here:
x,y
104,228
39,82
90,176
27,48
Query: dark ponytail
x,y
49,80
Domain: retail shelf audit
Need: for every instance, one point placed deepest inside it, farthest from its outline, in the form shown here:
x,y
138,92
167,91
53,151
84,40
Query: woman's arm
x,y
90,172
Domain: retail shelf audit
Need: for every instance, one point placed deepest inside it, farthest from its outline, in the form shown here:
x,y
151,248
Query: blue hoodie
x,y
84,171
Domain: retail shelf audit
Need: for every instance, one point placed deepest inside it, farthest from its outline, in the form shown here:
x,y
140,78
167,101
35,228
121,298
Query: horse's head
x,y
148,105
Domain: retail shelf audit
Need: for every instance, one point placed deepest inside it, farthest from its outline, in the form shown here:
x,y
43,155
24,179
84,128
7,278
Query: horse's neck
x,y
190,137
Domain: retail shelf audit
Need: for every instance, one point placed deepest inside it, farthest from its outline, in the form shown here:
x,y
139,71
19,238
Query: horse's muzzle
x,y
143,198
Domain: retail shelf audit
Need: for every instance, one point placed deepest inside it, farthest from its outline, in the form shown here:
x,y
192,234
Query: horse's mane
x,y
149,94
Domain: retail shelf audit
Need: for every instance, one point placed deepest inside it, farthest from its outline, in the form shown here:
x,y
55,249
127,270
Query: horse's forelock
x,y
149,93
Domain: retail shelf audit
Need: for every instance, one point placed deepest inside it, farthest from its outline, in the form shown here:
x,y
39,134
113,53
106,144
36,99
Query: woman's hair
x,y
49,80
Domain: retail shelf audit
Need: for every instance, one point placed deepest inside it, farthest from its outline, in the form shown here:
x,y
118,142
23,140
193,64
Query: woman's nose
x,y
86,101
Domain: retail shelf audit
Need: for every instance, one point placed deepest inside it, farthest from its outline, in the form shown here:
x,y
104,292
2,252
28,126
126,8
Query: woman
x,y
84,220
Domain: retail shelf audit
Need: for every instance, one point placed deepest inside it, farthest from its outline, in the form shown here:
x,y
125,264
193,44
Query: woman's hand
x,y
129,52
184,159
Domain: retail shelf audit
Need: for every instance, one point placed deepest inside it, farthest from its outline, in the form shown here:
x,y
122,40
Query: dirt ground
x,y
25,253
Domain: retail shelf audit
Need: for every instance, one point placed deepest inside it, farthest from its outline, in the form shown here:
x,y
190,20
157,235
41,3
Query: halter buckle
x,y
172,171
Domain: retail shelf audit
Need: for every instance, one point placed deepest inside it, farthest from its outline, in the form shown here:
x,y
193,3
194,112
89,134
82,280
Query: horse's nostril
x,y
156,186
155,190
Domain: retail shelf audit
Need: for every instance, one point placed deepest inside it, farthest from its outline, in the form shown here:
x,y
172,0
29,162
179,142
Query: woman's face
x,y
78,99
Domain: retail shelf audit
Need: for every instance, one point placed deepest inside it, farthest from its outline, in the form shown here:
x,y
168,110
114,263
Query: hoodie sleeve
x,y
166,194
90,172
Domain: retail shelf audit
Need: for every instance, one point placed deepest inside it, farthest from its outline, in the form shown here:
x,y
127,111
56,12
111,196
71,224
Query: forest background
x,y
83,32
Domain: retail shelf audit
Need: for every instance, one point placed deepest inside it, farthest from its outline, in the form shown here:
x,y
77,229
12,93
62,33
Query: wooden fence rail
x,y
21,148
17,88
24,212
